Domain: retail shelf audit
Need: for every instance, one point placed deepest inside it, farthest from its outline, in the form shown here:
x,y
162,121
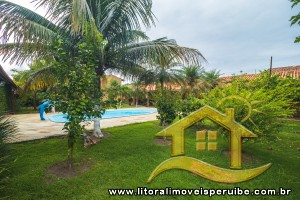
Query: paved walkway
x,y
31,127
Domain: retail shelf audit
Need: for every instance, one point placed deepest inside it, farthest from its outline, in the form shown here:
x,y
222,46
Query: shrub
x,y
166,107
7,129
258,104
188,105
283,88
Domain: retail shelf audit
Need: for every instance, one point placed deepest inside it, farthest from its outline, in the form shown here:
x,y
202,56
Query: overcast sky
x,y
233,35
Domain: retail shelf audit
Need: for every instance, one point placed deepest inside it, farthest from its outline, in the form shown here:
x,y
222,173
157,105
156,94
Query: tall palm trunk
x,y
97,129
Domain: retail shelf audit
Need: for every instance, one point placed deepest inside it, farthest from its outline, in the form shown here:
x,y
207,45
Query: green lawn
x,y
128,156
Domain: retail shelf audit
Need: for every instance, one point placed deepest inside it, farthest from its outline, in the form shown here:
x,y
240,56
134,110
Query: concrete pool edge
x,y
31,128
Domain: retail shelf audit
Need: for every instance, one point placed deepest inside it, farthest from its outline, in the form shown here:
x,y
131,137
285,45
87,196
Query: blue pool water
x,y
61,118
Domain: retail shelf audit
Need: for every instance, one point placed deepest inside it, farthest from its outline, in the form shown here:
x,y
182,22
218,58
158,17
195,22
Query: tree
x,y
163,73
114,93
165,102
126,92
108,32
210,79
191,76
138,91
259,104
126,46
118,21
296,18
77,94
32,81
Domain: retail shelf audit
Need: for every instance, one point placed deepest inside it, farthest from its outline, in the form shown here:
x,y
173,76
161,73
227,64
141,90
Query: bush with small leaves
x,y
260,104
166,106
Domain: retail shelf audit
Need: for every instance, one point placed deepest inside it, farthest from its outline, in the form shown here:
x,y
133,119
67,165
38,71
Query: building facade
x,y
7,93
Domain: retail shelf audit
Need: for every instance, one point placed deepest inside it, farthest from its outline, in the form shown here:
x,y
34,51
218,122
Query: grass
x,y
128,156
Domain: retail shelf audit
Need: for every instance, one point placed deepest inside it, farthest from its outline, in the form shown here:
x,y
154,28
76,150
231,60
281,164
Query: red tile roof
x,y
284,72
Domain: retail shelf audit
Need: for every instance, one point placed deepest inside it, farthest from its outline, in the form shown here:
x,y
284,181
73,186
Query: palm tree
x,y
119,22
138,91
210,79
35,79
191,76
164,72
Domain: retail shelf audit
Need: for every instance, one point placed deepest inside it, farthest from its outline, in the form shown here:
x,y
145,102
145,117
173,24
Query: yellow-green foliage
x,y
258,104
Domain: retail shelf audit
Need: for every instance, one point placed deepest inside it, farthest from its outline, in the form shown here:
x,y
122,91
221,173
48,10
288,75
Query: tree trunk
x,y
97,129
34,100
136,101
70,150
148,100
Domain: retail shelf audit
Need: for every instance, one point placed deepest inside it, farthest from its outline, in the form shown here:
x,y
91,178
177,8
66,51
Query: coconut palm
x,y
69,22
118,21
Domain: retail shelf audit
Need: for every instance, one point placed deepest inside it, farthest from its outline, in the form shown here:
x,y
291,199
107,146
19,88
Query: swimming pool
x,y
61,118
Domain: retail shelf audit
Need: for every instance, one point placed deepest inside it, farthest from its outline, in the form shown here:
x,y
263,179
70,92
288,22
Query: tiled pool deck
x,y
31,127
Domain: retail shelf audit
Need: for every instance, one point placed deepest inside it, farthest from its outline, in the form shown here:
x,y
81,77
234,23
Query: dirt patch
x,y
296,119
62,170
246,157
91,139
162,142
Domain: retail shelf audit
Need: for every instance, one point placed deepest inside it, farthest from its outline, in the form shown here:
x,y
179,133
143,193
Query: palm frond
x,y
7,129
72,15
156,50
123,15
98,9
20,53
41,78
24,25
129,36
128,69
81,16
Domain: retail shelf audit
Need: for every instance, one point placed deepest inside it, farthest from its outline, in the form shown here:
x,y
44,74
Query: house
x,y
174,87
227,120
283,72
107,79
7,93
